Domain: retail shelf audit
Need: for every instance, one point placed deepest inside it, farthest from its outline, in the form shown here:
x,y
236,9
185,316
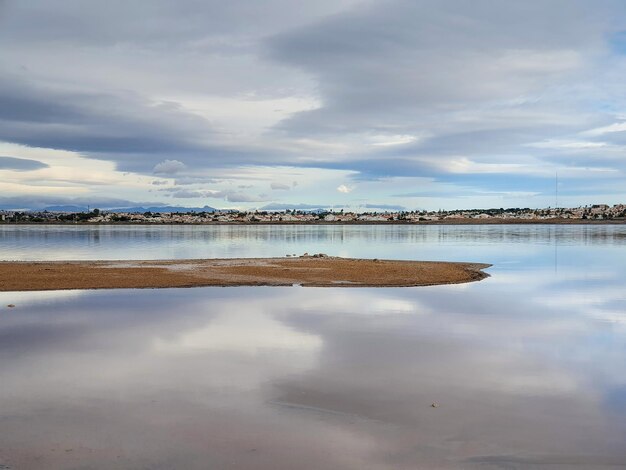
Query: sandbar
x,y
307,271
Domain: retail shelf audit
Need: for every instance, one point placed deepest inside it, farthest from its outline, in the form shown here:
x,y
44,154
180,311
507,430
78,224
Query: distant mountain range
x,y
138,209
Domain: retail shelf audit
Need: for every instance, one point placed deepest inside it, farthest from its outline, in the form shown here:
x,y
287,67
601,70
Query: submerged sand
x,y
307,271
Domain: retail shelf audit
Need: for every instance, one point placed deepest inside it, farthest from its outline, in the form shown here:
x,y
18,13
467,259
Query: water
x,y
527,367
58,242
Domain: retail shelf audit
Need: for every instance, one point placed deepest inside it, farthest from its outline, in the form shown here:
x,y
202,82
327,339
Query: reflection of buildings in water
x,y
186,241
556,254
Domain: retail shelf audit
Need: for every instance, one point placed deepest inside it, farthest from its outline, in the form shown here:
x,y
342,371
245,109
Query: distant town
x,y
598,212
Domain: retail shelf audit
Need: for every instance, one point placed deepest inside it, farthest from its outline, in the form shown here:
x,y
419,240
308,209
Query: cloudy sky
x,y
423,104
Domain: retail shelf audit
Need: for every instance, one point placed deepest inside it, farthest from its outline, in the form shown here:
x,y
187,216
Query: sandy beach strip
x,y
308,271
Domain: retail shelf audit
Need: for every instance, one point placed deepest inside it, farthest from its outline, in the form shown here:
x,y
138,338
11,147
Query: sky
x,y
359,104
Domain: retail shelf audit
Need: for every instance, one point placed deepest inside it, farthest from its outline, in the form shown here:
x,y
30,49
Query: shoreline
x,y
306,271
373,222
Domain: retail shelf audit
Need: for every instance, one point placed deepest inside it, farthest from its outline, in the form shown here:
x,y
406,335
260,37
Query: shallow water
x,y
527,368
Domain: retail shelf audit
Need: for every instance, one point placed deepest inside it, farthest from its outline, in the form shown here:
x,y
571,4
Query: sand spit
x,y
311,271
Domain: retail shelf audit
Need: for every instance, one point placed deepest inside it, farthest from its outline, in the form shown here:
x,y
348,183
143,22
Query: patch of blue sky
x,y
617,42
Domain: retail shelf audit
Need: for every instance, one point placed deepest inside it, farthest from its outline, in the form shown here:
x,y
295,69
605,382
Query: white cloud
x,y
169,167
567,144
345,189
391,140
617,127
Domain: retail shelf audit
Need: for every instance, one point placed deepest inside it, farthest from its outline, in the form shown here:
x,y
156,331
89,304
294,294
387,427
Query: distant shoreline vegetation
x,y
599,213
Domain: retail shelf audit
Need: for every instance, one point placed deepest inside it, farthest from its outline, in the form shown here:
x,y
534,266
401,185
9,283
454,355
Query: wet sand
x,y
308,271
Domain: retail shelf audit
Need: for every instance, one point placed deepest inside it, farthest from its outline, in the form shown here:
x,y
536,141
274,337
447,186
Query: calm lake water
x,y
528,367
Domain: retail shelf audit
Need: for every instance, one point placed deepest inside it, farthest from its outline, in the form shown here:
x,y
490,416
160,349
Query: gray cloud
x,y
280,186
163,24
232,196
275,206
188,194
227,195
20,164
40,202
475,79
126,128
397,60
186,180
97,123
242,197
384,207
479,80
